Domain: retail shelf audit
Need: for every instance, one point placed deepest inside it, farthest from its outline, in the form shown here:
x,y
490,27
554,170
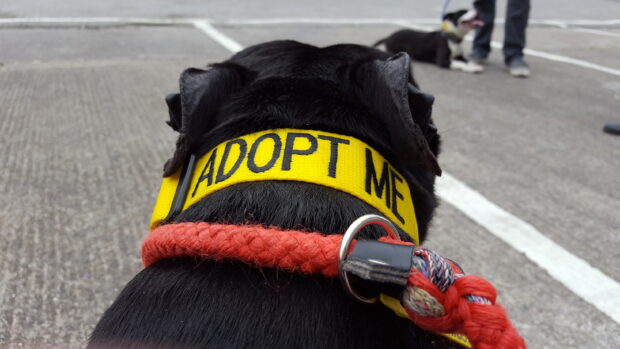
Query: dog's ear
x,y
192,110
384,86
421,106
173,101
454,16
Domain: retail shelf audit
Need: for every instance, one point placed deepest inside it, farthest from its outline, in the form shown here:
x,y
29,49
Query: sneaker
x,y
471,67
518,68
612,128
477,58
475,63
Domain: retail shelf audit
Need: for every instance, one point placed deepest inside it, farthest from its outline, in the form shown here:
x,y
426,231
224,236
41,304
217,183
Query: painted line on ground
x,y
577,275
596,32
230,44
95,21
564,59
221,38
576,22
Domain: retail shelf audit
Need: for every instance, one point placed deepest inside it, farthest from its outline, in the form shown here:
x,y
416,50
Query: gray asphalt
x,y
84,140
227,9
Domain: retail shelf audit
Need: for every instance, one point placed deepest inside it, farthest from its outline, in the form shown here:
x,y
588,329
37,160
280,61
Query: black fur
x,y
348,89
430,47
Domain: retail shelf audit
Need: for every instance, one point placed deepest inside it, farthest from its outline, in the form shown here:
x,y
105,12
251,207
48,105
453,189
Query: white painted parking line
x,y
597,32
94,20
576,22
564,59
577,275
230,44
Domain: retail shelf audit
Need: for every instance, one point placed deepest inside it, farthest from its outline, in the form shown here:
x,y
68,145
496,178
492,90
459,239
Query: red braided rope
x,y
291,250
485,325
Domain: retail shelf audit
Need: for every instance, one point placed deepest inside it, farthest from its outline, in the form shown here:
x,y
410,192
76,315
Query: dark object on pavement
x,y
612,128
518,68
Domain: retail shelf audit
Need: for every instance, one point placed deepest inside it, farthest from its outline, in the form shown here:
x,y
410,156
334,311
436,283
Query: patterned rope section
x,y
295,251
440,298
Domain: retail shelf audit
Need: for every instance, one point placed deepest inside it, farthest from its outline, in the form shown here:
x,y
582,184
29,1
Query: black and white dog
x,y
442,47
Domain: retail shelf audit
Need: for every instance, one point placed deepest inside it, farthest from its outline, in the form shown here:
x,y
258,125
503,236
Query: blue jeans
x,y
517,14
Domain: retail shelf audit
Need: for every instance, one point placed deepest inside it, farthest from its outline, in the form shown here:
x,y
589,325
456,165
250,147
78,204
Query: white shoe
x,y
468,67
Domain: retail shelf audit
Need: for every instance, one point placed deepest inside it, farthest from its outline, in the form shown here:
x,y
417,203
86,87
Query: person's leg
x,y
517,15
482,40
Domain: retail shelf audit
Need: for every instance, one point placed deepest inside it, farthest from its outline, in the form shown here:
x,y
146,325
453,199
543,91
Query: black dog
x,y
346,89
442,47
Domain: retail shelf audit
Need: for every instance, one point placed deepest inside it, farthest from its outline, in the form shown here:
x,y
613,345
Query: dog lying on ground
x,y
442,47
345,89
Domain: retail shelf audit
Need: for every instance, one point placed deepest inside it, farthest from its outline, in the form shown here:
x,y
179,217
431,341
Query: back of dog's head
x,y
346,89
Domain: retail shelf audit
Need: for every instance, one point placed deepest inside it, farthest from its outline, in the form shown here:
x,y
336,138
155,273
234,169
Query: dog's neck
x,y
452,37
456,50
453,33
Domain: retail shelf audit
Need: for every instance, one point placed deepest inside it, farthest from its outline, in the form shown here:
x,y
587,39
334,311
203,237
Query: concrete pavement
x,y
82,118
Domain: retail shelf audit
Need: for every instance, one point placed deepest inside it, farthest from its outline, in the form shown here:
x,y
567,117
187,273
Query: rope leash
x,y
444,9
436,296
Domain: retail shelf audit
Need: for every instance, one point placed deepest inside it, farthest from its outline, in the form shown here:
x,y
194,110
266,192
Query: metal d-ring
x,y
353,229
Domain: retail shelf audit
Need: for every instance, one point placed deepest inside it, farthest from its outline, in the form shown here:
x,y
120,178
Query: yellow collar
x,y
451,32
341,162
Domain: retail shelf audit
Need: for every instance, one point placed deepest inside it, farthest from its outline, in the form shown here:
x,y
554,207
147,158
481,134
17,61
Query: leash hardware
x,y
347,239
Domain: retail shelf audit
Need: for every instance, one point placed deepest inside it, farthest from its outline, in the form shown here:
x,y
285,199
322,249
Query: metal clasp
x,y
348,237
